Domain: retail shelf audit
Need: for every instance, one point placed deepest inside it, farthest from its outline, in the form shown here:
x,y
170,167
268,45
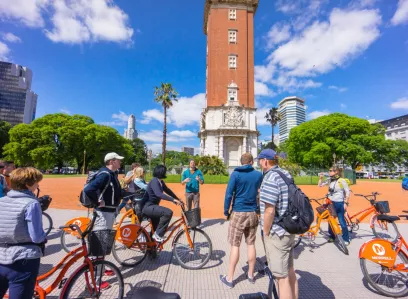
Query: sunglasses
x,y
331,170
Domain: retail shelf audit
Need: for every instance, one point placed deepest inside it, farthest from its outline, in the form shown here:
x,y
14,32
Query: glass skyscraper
x,y
17,102
293,112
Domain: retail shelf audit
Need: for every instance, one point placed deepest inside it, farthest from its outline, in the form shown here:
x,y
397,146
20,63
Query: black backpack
x,y
299,215
84,198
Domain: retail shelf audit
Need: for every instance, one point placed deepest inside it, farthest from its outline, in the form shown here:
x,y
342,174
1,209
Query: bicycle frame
x,y
384,253
330,219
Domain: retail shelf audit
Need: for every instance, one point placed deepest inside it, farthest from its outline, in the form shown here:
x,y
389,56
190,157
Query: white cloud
x,y
66,111
153,114
401,103
324,46
358,4
292,84
264,73
26,11
316,114
260,116
173,136
277,34
343,106
4,51
261,89
339,89
157,147
81,21
187,110
118,120
401,15
121,116
10,37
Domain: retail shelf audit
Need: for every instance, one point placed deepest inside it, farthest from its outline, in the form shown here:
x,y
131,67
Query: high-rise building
x,y
228,123
130,132
17,102
188,150
293,112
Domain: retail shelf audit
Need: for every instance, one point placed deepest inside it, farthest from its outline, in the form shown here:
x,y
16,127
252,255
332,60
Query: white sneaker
x,y
157,238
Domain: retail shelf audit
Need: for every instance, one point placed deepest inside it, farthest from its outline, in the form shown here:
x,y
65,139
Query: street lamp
x,y
83,167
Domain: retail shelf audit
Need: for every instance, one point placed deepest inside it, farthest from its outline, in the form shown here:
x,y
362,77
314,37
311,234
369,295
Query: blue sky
x,y
102,58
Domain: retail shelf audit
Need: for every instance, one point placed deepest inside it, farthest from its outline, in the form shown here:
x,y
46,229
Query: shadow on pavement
x,y
211,222
216,256
311,286
142,284
369,287
54,235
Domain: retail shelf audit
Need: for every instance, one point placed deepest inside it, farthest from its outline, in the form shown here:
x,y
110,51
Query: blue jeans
x,y
339,207
19,278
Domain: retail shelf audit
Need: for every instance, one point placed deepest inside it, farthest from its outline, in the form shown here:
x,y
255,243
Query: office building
x,y
130,132
188,150
396,128
18,102
293,112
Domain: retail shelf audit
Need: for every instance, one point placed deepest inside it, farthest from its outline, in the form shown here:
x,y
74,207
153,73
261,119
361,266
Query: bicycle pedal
x,y
62,282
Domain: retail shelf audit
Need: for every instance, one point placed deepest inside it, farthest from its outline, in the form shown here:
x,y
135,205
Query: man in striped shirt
x,y
274,199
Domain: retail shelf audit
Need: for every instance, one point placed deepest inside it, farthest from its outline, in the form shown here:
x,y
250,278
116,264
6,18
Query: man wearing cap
x,y
192,178
106,177
274,199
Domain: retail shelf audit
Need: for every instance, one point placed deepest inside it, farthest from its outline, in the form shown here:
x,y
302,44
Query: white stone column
x,y
221,147
244,144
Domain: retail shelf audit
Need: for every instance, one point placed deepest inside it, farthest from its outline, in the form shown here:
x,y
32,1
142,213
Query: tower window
x,y
232,14
232,36
232,92
232,61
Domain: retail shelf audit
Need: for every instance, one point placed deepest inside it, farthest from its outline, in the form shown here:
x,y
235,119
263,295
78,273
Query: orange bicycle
x,y
84,281
324,211
381,229
192,247
385,264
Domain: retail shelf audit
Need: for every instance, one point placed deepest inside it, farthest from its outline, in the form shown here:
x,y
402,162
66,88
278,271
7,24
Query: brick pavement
x,y
323,272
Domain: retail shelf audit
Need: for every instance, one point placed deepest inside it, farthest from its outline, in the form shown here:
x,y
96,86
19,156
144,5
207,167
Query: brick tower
x,y
228,123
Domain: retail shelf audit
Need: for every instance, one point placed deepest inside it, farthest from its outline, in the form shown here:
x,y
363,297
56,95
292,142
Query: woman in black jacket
x,y
160,216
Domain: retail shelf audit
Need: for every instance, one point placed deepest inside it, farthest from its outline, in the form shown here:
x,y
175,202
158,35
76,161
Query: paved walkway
x,y
323,272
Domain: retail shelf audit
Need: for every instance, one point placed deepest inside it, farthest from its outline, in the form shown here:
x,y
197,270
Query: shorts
x,y
279,253
242,223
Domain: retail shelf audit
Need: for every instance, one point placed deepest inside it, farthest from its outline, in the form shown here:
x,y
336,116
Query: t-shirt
x,y
193,186
131,185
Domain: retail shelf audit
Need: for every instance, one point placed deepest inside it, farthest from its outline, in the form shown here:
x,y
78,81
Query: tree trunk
x,y
164,137
273,135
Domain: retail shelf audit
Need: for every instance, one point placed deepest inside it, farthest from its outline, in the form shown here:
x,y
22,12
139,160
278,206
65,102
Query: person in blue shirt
x,y
22,237
242,191
192,178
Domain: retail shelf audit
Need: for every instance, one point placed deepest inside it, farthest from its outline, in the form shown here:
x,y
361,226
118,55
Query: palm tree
x,y
165,95
273,117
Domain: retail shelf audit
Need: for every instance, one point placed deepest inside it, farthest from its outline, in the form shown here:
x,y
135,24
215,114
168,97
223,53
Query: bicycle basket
x,y
382,207
329,207
100,242
193,217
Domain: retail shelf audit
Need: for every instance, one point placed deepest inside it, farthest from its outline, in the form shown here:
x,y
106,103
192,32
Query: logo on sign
x,y
378,249
126,232
78,222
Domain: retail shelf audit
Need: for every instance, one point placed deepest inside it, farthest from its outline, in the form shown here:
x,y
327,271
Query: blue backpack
x,y
405,183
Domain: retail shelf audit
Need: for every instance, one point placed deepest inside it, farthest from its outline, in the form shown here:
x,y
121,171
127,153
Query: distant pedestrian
x,y
192,178
241,194
22,237
130,185
274,199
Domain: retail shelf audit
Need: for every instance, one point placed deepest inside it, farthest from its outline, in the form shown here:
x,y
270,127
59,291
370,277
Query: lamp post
x,y
83,166
149,157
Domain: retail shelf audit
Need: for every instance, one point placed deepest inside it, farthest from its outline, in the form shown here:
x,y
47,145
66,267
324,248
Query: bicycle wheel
x,y
196,257
70,241
134,255
80,285
392,284
47,223
342,244
385,230
298,239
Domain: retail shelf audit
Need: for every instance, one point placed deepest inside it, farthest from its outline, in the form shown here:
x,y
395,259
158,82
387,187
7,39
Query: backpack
x,y
299,215
84,198
405,183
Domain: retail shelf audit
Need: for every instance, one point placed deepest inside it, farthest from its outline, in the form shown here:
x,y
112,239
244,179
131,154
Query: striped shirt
x,y
275,192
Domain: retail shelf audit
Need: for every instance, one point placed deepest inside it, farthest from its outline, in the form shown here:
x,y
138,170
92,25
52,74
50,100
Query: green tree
x,y
353,140
4,135
139,152
60,139
211,165
273,117
165,95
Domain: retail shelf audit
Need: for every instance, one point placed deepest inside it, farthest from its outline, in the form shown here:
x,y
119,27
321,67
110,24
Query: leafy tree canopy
x,y
4,135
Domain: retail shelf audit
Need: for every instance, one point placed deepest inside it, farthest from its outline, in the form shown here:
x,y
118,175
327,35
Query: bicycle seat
x,y
388,218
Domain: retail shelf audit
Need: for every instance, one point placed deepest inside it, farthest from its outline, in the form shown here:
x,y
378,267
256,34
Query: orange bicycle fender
x,y
379,251
82,222
127,234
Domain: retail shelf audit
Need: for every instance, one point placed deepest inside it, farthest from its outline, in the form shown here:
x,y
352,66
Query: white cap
x,y
111,156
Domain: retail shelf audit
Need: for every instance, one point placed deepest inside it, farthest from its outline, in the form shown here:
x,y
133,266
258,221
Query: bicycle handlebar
x,y
373,194
317,200
405,216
